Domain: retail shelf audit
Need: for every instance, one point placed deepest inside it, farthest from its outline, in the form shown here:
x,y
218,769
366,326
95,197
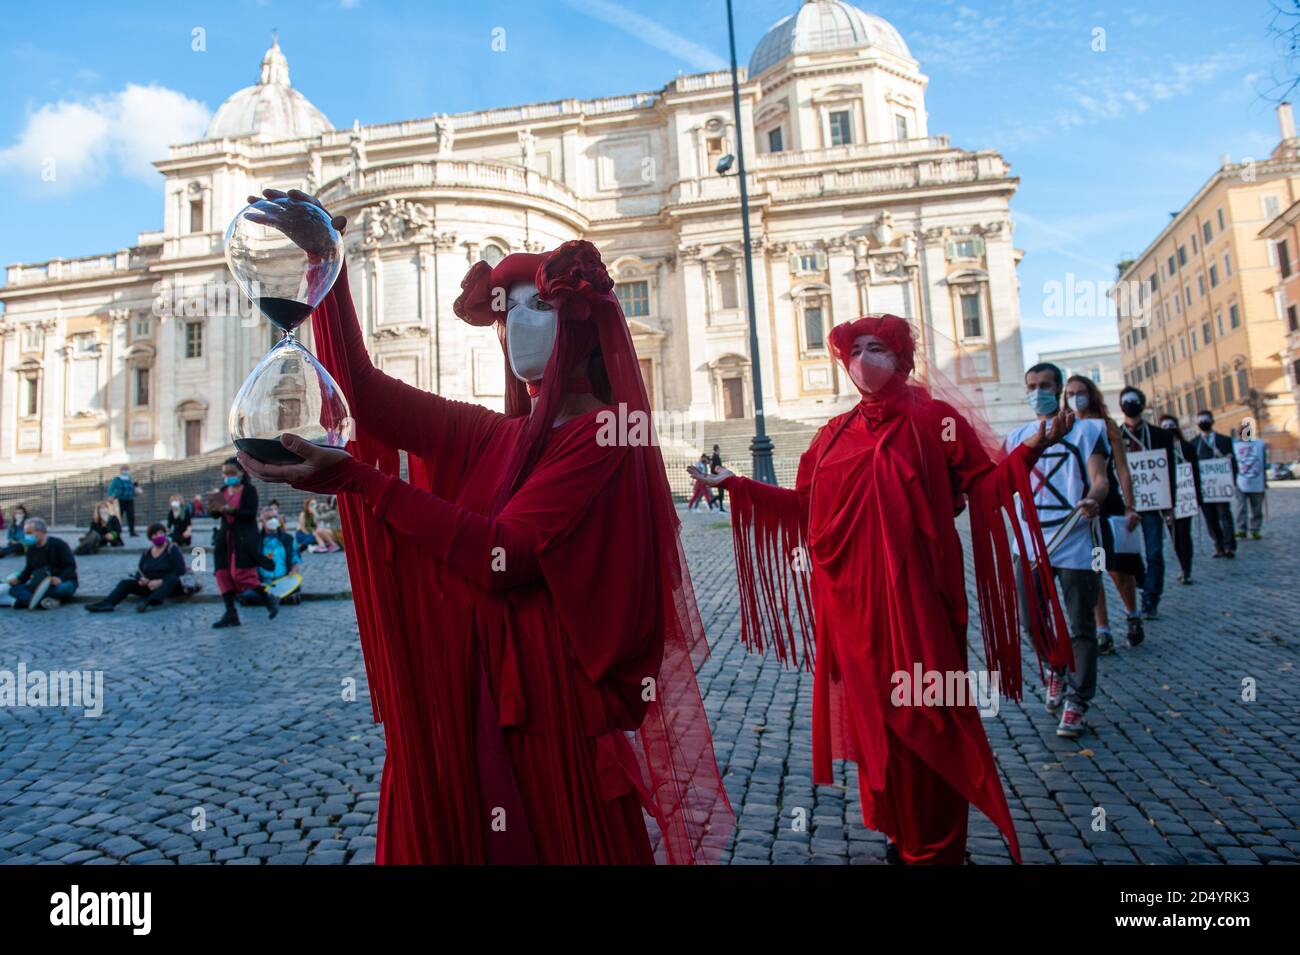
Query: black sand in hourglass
x,y
284,313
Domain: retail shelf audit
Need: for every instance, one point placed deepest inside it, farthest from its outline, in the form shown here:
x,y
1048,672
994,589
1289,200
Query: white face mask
x,y
870,367
273,524
530,332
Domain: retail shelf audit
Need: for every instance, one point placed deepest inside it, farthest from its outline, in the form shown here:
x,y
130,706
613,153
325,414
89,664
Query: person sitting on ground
x,y
105,531
197,507
305,534
279,560
157,577
322,529
179,518
49,575
14,545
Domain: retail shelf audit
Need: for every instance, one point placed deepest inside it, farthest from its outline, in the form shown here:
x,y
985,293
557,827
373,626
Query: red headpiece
x,y
894,332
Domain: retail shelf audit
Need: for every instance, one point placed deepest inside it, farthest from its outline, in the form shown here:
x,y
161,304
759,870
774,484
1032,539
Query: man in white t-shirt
x,y
1070,473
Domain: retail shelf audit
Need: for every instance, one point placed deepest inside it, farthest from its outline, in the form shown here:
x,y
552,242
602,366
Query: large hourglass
x,y
285,254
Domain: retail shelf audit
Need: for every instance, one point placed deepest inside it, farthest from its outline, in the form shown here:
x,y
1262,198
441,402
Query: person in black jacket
x,y
1184,453
237,541
105,531
157,577
179,519
1140,435
49,575
1218,514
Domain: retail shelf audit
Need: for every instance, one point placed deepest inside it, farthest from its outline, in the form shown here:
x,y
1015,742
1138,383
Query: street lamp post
x,y
761,446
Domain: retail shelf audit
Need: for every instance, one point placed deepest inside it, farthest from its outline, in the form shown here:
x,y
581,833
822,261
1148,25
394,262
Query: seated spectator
x,y
14,539
105,531
327,534
279,560
179,518
316,535
49,575
197,507
157,577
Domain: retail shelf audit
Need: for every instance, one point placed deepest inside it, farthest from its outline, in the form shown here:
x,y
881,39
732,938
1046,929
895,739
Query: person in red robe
x,y
526,616
860,568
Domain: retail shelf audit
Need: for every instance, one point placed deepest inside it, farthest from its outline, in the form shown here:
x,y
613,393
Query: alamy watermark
x,y
62,689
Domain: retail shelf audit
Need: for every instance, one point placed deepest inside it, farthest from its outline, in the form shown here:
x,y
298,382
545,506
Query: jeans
x,y
170,586
1081,590
1218,518
1255,500
1153,538
22,593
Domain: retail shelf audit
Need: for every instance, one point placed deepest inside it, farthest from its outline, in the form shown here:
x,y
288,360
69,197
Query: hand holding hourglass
x,y
285,251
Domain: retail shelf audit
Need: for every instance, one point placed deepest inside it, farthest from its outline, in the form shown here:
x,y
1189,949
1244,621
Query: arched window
x,y
491,253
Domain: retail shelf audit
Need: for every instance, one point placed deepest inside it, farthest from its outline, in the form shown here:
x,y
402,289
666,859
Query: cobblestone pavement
x,y
239,747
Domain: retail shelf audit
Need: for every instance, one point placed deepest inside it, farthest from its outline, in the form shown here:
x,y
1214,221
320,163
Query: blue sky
x,y
1107,142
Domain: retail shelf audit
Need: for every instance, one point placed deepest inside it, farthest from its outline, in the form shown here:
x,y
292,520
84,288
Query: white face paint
x,y
530,332
871,364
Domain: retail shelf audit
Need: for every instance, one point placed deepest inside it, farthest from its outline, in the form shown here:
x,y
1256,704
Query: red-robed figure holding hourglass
x,y
862,559
527,619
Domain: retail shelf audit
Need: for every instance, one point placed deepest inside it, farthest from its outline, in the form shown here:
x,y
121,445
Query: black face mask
x,y
1205,425
1132,408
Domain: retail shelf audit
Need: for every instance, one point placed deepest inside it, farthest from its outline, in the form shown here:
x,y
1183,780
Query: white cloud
x,y
652,33
72,144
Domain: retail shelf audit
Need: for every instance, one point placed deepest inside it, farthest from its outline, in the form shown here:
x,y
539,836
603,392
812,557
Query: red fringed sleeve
x,y
768,526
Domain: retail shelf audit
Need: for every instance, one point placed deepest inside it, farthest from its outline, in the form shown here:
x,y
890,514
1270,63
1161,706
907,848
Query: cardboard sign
x,y
1150,471
1250,465
1184,491
1216,480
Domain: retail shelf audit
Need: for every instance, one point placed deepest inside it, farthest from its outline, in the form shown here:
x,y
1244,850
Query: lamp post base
x,y
763,469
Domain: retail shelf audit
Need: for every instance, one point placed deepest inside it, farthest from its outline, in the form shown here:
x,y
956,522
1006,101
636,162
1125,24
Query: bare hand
x,y
154,584
290,217
1089,507
711,480
314,459
1046,437
1134,518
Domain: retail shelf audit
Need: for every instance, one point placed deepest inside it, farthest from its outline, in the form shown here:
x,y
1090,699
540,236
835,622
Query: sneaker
x,y
333,548
1231,555
1136,633
1218,554
1151,613
1055,691
272,606
1256,535
1105,643
100,607
144,607
227,620
1072,723
51,603
318,548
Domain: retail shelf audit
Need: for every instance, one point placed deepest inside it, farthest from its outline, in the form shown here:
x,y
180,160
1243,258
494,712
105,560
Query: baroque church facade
x,y
854,208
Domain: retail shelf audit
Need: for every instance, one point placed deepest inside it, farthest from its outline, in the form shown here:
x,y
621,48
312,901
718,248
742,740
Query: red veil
x,y
666,748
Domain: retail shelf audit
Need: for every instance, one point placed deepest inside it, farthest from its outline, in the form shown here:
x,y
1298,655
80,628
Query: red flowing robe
x,y
873,518
510,657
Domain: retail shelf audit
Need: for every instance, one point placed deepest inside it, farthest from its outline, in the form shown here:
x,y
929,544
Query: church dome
x,y
270,109
822,25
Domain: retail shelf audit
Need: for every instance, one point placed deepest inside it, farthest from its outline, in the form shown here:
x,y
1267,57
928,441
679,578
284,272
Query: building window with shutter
x,y
1227,389
1214,276
1283,259
900,127
1207,232
1218,321
31,395
774,143
1243,381
726,283
196,215
1292,321
841,128
814,328
193,339
634,297
1234,317
1214,393
141,383
972,322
